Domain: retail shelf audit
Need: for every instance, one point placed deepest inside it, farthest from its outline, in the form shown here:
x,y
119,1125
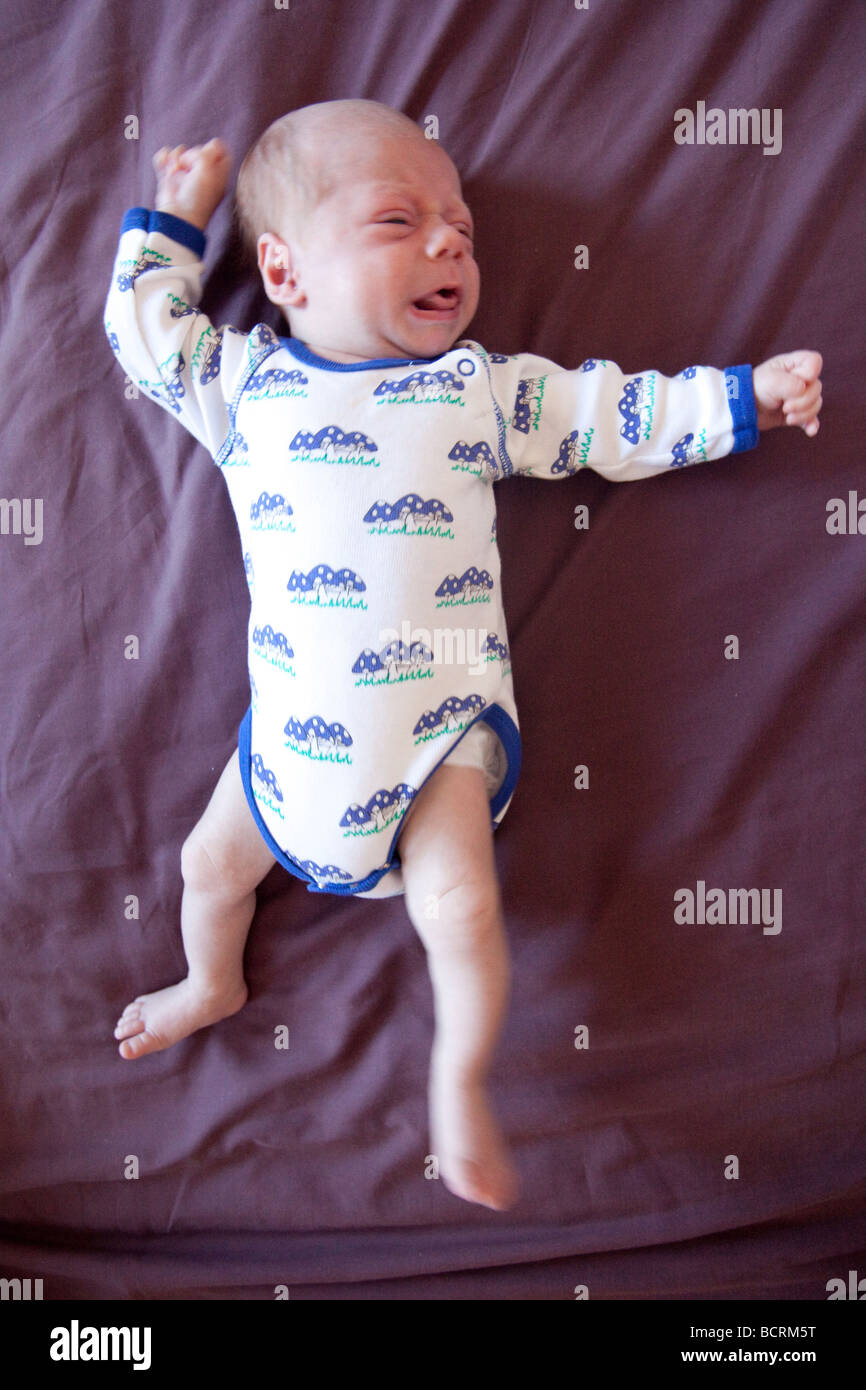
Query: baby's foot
x,y
153,1022
467,1141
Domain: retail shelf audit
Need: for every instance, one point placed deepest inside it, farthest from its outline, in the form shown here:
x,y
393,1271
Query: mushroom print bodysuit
x,y
364,498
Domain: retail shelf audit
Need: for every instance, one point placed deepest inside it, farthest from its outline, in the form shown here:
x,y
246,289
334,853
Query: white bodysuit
x,y
364,498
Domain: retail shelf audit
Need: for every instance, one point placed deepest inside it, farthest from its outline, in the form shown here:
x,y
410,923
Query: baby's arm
x,y
630,426
166,345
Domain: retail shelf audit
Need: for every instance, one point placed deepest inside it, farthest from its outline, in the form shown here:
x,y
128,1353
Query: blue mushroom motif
x,y
212,358
396,660
472,584
181,310
237,451
494,649
369,663
271,643
589,365
114,341
380,810
498,357
356,815
271,511
264,775
685,452
633,397
171,388
688,373
529,393
333,442
428,721
446,717
325,873
249,571
566,459
476,458
261,338
420,386
323,582
321,738
276,376
411,511
148,260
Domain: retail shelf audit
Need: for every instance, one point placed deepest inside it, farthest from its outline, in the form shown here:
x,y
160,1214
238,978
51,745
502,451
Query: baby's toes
x,y
137,1045
128,1027
130,1019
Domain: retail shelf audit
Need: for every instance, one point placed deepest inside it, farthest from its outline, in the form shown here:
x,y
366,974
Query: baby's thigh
x,y
446,844
225,844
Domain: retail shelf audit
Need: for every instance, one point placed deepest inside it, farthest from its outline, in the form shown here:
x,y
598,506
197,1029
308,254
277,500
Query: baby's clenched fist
x,y
191,181
788,390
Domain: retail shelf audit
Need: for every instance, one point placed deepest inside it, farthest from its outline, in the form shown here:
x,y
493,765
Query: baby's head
x,y
360,231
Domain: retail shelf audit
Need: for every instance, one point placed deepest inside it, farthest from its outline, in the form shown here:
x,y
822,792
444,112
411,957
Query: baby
x,y
381,748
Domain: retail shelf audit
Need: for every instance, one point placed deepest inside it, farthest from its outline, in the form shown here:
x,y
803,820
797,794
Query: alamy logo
x,y
447,646
76,1343
846,521
20,1290
713,906
737,126
22,516
855,1288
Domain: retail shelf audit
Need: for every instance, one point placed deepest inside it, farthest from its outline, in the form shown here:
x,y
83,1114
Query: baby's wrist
x,y
194,215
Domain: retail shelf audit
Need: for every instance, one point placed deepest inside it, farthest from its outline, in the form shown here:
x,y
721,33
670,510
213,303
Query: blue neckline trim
x,y
304,354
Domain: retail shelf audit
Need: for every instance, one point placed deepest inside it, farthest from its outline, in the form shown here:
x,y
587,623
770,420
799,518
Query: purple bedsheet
x,y
706,1042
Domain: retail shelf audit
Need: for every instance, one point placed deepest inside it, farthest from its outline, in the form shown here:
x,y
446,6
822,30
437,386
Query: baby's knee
x,y
203,871
464,915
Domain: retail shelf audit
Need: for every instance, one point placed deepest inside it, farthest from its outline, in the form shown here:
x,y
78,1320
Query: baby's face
x,y
384,263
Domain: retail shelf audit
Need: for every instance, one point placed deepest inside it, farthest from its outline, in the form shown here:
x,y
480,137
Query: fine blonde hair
x,y
286,172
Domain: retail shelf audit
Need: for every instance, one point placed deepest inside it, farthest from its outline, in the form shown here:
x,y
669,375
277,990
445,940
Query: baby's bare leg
x,y
222,861
452,897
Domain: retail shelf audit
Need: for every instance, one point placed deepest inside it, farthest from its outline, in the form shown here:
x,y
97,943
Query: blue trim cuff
x,y
177,228
741,402
134,219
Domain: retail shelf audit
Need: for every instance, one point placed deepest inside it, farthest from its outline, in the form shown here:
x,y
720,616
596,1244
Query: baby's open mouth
x,y
444,299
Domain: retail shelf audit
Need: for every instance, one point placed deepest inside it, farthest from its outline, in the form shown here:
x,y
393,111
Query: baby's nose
x,y
444,240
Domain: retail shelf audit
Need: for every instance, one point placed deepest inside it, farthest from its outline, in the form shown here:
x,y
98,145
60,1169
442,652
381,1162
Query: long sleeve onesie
x,y
364,499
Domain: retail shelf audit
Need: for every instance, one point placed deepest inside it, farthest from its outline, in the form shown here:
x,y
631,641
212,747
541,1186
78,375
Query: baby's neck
x,y
331,354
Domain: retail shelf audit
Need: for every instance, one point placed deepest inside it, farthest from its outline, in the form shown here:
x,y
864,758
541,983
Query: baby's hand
x,y
191,182
788,390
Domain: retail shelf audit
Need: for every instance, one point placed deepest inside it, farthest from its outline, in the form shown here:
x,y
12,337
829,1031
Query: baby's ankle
x,y
216,988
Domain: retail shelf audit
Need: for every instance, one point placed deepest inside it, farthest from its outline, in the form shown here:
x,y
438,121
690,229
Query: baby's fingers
x,y
803,410
800,409
166,158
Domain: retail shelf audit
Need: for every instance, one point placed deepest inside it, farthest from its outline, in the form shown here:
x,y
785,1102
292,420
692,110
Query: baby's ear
x,y
276,266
